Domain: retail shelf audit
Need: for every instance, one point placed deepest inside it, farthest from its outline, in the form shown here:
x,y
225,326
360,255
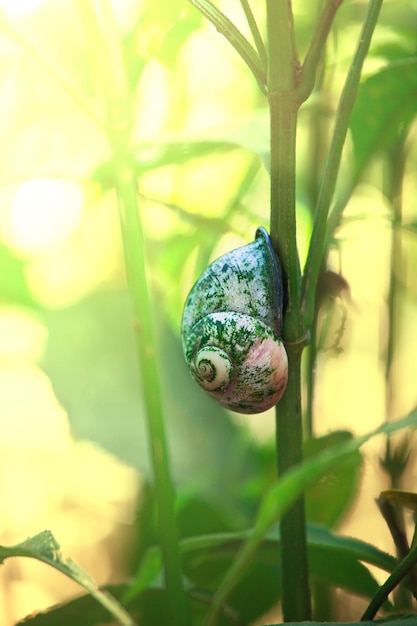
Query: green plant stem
x,y
389,585
104,37
315,50
318,141
282,76
282,52
294,565
328,183
257,37
393,185
283,111
393,188
283,123
234,37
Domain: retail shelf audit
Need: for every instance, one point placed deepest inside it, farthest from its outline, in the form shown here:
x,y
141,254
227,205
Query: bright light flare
x,y
44,212
14,8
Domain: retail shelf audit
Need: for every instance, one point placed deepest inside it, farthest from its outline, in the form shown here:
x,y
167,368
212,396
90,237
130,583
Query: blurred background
x,y
74,450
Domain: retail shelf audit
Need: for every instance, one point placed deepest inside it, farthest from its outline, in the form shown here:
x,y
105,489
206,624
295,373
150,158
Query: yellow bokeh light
x,y
43,212
14,8
22,335
32,414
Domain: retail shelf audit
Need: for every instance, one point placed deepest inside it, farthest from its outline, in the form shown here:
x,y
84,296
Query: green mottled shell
x,y
245,365
246,280
231,325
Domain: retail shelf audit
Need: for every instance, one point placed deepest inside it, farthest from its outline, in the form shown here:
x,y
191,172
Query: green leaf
x,y
320,537
332,558
335,559
198,516
329,499
386,103
283,494
411,621
148,608
207,555
45,548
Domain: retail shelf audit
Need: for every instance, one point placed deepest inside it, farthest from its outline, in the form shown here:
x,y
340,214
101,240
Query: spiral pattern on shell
x,y
250,375
231,326
211,368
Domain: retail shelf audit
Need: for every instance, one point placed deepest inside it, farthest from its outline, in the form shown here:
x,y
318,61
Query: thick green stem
x,y
103,35
282,53
282,78
294,565
283,116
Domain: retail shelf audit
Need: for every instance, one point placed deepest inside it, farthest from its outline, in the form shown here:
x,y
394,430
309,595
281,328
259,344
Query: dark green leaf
x,y
197,516
334,559
406,620
329,498
386,103
148,608
283,494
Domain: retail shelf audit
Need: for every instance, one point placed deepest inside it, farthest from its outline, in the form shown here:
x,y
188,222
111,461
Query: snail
x,y
231,328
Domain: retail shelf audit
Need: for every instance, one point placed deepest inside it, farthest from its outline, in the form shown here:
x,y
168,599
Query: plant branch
x,y
105,44
257,37
328,183
315,50
389,585
234,37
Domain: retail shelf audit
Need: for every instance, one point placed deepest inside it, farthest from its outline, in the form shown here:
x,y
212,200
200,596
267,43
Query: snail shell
x,y
231,328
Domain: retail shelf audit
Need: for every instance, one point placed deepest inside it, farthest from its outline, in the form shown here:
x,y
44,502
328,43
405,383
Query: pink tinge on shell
x,y
260,382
